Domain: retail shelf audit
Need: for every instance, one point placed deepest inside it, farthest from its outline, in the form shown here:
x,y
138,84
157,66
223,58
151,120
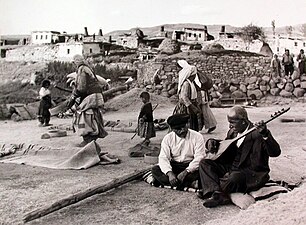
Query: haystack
x,y
213,47
169,46
266,50
130,101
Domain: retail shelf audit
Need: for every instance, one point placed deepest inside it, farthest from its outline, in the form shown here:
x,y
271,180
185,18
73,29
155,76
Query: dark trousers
x,y
163,179
218,177
288,69
45,118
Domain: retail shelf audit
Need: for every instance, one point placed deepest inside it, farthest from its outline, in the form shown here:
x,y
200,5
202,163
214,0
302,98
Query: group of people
x,y
243,167
86,101
288,63
183,162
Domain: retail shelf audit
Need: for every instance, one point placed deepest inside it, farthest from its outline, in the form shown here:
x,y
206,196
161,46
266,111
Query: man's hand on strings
x,y
262,128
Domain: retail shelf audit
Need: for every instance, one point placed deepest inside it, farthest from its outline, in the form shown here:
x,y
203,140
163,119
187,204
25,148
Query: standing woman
x,y
209,120
276,66
302,62
188,95
88,119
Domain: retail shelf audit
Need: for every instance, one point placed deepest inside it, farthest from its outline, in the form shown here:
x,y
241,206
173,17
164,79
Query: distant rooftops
x,y
43,31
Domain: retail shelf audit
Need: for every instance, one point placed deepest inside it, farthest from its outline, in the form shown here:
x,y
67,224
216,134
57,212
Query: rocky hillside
x,y
19,70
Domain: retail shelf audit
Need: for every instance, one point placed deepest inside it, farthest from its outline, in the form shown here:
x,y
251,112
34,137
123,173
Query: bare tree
x,y
273,27
303,29
289,30
250,33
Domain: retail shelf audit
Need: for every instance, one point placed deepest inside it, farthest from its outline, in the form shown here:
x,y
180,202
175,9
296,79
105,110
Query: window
x,y
68,51
189,34
295,43
195,35
41,37
36,36
46,37
304,45
200,35
90,50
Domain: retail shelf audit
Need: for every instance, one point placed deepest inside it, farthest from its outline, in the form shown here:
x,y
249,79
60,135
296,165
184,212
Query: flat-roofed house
x,y
44,37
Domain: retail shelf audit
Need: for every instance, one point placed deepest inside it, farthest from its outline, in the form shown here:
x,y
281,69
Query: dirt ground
x,y
26,188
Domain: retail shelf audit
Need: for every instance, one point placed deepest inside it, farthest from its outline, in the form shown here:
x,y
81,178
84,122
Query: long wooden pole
x,y
72,199
105,93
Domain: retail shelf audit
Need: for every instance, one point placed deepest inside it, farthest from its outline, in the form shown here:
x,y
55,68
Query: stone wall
x,y
235,74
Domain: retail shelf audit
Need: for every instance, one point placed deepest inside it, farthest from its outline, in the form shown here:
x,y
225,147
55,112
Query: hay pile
x,y
169,46
130,101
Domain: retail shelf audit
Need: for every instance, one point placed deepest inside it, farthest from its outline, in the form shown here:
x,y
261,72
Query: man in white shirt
x,y
181,151
244,166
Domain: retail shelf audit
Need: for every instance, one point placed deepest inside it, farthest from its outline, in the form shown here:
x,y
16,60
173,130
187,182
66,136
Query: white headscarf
x,y
78,59
186,71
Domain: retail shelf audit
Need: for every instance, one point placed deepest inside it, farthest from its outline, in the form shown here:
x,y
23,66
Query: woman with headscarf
x,y
301,58
87,93
188,95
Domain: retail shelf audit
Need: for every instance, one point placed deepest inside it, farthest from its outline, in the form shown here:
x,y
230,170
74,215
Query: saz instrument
x,y
226,143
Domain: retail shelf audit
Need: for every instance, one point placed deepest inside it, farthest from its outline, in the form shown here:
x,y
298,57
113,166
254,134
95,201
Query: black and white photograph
x,y
170,112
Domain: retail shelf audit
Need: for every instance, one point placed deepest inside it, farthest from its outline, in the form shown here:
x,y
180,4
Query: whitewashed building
x,y
192,34
294,44
44,37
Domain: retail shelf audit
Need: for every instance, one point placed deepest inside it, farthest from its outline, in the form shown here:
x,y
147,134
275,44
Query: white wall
x,y
195,35
278,45
66,51
45,52
43,37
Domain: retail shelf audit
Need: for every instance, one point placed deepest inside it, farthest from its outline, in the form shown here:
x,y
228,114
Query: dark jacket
x,y
254,160
146,112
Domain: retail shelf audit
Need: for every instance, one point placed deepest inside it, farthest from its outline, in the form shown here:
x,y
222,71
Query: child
x,y
145,119
45,104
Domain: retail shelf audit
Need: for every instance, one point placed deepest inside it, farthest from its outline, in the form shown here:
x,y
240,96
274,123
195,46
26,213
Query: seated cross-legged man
x,y
244,166
181,151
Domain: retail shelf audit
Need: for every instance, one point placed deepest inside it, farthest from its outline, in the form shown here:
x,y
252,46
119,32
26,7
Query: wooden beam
x,y
72,199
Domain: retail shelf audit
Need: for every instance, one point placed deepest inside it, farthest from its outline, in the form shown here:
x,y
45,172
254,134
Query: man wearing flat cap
x,y
181,151
244,166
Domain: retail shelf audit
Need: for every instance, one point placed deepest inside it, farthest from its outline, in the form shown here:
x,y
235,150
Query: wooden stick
x,y
72,199
105,93
63,89
113,90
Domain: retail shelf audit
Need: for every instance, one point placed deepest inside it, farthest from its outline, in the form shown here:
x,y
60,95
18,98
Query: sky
x,y
71,16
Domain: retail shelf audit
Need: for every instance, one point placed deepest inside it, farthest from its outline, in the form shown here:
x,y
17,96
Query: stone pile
x,y
258,87
235,75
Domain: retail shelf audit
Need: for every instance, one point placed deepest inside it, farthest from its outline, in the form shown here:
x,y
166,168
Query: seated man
x,y
181,151
243,167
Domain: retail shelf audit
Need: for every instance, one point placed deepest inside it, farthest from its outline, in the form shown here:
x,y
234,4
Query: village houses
x,y
53,45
